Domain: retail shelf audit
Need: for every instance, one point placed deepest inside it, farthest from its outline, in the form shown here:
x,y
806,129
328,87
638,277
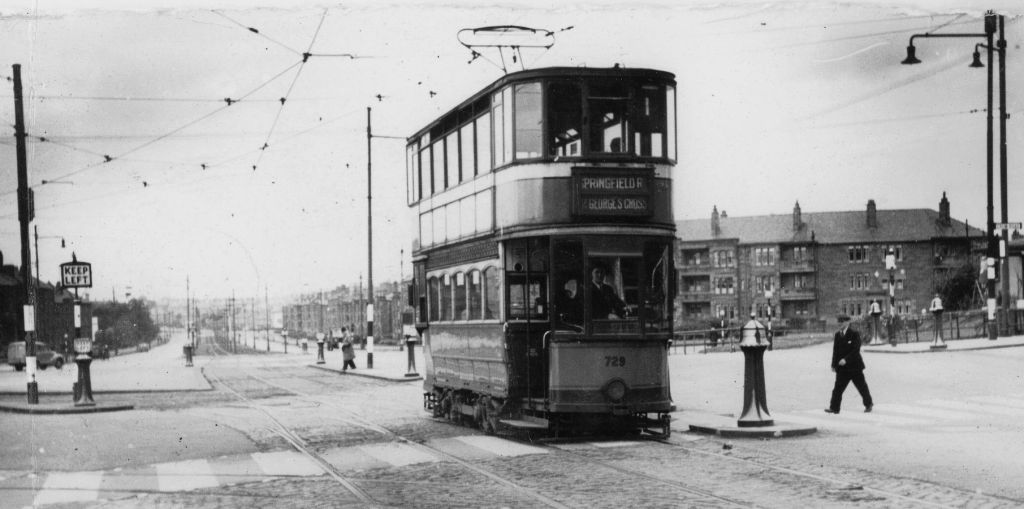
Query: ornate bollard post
x,y
188,356
320,348
755,406
410,343
83,391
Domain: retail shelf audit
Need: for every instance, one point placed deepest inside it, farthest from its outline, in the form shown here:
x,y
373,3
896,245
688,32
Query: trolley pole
x,y
369,245
266,309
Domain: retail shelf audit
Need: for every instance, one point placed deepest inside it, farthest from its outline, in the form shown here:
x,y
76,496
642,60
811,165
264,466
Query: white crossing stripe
x,y
63,487
935,413
289,463
398,454
820,418
1001,400
185,475
500,446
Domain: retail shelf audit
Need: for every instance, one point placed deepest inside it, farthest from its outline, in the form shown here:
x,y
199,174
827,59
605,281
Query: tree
x,y
958,291
125,324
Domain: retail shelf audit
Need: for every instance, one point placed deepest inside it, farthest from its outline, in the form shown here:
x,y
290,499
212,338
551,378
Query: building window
x,y
897,250
723,259
764,256
858,254
800,254
724,286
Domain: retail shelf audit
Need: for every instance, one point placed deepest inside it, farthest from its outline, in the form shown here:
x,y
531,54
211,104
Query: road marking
x,y
976,408
286,463
63,487
185,476
615,443
944,415
398,454
500,446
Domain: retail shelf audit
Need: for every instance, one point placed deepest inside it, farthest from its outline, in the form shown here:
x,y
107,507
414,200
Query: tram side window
x,y
474,295
453,175
445,298
483,144
467,142
492,293
498,116
614,287
565,119
434,292
606,105
460,300
437,150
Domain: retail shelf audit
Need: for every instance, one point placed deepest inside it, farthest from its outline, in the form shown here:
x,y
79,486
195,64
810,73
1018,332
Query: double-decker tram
x,y
543,273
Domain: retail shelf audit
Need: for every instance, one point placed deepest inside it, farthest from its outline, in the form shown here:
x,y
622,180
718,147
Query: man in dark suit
x,y
604,301
848,366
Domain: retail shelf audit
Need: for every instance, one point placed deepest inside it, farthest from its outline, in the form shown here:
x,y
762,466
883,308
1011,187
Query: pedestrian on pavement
x,y
348,353
848,366
936,310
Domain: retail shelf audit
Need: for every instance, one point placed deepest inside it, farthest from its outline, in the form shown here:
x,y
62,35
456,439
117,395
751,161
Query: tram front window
x,y
614,286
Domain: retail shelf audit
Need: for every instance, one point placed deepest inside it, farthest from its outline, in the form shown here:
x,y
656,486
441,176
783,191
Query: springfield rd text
x,y
614,183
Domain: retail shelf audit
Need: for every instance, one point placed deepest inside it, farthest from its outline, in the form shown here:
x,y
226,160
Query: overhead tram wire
x,y
257,32
180,128
280,109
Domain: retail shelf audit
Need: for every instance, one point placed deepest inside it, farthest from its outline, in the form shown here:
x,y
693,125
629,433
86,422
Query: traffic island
x,y
726,426
60,408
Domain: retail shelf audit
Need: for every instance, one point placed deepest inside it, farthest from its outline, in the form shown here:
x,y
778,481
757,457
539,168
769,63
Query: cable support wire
x,y
277,117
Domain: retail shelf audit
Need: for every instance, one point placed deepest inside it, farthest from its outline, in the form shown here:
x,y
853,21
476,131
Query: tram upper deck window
x,y
565,119
607,105
528,120
649,122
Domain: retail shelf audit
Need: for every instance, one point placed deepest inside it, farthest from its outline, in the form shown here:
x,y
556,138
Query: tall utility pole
x,y
369,244
1004,273
188,313
252,319
24,218
266,310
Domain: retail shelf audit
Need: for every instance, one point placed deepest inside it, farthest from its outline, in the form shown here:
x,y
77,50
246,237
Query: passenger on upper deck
x,y
605,303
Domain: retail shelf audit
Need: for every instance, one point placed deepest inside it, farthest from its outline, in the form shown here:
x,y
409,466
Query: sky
x,y
211,178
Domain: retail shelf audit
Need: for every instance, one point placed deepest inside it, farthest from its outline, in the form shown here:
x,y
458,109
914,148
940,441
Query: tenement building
x,y
809,267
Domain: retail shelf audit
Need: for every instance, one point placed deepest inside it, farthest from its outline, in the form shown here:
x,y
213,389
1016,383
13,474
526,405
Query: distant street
x,y
275,432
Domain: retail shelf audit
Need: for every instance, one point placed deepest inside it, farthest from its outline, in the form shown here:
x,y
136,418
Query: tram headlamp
x,y
615,390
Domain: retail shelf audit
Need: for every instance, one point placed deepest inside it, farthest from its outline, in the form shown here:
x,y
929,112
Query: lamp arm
x,y
926,35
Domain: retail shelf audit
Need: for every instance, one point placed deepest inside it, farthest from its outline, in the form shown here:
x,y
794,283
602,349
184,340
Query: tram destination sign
x,y
76,274
612,191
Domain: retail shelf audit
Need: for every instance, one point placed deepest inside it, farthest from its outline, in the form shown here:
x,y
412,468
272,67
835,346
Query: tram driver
x,y
605,303
570,303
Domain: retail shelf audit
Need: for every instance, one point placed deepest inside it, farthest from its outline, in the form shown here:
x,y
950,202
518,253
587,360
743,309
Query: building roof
x,y
907,225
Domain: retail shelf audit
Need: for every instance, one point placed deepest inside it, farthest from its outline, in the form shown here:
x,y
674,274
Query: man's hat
x,y
843,318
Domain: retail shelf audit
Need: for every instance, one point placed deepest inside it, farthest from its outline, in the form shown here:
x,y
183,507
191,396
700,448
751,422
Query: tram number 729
x,y
614,361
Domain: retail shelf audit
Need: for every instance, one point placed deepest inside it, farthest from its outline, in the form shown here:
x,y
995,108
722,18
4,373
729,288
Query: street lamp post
x,y
991,20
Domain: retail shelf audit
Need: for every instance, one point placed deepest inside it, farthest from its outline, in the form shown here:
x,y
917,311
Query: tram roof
x,y
547,72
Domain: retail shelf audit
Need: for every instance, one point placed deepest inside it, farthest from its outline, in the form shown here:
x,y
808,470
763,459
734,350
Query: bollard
x,y
876,324
320,348
83,396
410,343
188,356
755,405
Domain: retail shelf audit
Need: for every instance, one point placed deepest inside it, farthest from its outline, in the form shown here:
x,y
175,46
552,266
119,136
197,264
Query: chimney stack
x,y
716,228
872,215
797,221
944,210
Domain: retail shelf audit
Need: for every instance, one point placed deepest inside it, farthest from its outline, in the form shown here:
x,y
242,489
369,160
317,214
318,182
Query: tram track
x,y
352,418
831,483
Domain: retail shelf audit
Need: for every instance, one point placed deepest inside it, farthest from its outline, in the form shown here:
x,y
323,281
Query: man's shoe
x,y
830,411
868,408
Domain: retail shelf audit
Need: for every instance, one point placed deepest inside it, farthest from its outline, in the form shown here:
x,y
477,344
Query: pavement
x,y
956,345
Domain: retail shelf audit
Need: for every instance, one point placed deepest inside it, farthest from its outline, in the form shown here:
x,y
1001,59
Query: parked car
x,y
45,356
